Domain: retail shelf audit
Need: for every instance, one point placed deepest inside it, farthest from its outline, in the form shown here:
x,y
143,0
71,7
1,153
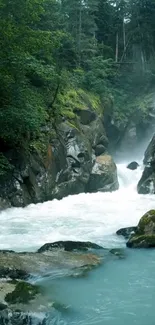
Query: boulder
x,y
133,165
144,236
103,176
69,246
99,150
126,232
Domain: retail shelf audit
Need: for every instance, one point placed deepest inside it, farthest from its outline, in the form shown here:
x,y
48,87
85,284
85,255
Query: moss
x,y
74,99
145,220
23,293
142,241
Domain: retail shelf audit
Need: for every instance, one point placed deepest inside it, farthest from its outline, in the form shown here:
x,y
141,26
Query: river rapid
x,y
117,293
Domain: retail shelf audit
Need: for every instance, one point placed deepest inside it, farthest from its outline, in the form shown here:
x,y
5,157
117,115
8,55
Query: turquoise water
x,y
117,293
120,292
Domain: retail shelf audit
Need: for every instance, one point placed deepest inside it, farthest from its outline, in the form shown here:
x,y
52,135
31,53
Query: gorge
x,y
77,162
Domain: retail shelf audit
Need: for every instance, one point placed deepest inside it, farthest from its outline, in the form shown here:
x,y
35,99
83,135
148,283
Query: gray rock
x,y
69,246
126,232
133,165
103,176
146,184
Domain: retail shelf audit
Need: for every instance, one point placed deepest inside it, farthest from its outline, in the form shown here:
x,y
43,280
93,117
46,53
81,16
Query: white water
x,y
94,217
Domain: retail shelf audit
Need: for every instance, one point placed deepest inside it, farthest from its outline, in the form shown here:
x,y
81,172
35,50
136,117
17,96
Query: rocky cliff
x,y
147,181
73,159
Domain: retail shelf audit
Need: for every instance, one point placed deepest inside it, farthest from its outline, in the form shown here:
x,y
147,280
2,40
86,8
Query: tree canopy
x,y
48,47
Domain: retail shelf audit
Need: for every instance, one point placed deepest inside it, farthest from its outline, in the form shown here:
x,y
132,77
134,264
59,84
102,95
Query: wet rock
x,y
12,273
133,165
144,236
103,176
118,252
57,167
141,241
69,246
11,317
99,150
146,184
43,263
126,232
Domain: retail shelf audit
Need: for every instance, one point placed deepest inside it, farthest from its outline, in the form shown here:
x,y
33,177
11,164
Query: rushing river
x,y
117,293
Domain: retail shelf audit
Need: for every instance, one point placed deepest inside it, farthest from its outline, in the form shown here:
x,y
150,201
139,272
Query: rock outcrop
x,y
147,181
65,162
144,236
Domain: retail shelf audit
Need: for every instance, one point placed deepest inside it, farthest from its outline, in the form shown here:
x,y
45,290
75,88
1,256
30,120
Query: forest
x,y
54,53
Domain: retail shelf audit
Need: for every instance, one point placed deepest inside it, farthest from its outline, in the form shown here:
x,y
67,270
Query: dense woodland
x,y
54,53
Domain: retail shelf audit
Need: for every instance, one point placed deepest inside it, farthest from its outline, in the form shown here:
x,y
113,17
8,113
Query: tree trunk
x,y
116,55
79,32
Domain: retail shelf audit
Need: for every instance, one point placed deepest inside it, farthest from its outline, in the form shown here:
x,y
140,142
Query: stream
x,y
117,293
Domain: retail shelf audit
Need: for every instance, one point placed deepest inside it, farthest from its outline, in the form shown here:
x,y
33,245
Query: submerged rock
x,y
103,176
118,252
133,165
144,236
69,246
126,232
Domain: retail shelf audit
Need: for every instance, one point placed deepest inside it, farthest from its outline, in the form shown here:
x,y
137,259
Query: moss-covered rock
x,y
144,236
141,241
24,292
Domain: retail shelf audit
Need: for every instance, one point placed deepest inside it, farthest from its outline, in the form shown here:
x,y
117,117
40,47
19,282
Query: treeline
x,y
54,52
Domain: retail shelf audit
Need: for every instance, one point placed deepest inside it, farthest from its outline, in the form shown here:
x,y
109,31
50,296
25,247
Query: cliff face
x,y
69,164
147,181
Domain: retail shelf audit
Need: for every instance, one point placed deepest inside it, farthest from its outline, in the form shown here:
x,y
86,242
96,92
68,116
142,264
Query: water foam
x,y
94,217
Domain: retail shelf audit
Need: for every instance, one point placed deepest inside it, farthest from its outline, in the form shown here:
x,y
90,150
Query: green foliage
x,y
59,56
23,293
5,166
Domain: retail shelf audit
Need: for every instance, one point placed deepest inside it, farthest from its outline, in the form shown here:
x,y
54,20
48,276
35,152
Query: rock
x,y
144,236
15,265
126,232
86,116
69,246
118,252
146,184
99,150
141,241
57,166
133,165
103,176
11,317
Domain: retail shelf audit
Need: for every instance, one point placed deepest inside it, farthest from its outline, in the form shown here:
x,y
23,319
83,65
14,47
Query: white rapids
x,y
94,217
